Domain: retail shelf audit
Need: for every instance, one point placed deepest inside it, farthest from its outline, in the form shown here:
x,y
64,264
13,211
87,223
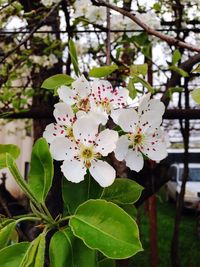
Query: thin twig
x,y
31,33
170,40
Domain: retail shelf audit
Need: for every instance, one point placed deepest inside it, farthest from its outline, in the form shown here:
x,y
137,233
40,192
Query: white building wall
x,y
14,132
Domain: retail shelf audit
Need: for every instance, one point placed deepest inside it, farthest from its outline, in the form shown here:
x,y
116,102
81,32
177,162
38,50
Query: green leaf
x,y
130,209
102,71
172,90
41,170
13,150
67,250
176,57
56,81
106,227
13,256
6,234
35,254
107,263
74,58
139,69
179,71
6,160
86,189
132,89
197,69
196,95
39,258
141,39
123,191
157,7
137,79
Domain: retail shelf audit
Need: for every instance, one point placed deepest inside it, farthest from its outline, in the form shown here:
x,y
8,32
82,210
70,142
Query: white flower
x,y
48,3
63,128
78,95
81,7
85,151
110,100
96,14
144,136
98,99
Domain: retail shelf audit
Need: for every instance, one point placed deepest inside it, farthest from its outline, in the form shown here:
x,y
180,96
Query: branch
x,y
31,33
164,37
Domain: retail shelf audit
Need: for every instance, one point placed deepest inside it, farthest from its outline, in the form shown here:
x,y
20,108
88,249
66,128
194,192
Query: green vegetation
x,y
189,243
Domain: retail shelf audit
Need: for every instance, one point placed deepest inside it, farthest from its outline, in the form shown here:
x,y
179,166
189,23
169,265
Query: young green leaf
x,y
74,58
176,57
132,89
138,79
179,71
6,234
102,71
139,69
56,81
106,227
13,150
35,253
13,255
172,90
123,191
197,69
41,170
67,250
196,95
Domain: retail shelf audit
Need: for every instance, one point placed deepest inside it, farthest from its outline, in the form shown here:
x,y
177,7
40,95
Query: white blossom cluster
x,y
118,22
81,139
49,3
45,61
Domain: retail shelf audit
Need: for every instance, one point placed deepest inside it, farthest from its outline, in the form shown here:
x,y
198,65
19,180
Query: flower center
x,y
106,105
84,104
87,154
69,132
136,139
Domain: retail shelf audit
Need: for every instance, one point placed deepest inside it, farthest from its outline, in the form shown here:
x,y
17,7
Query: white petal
x,y
128,120
63,114
102,89
67,95
82,87
157,106
134,160
102,172
53,131
149,121
99,114
155,150
85,129
143,103
120,96
122,147
73,171
115,113
106,142
63,148
154,105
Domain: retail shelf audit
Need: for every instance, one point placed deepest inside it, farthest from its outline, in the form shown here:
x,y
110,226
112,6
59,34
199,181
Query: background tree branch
x,y
170,40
